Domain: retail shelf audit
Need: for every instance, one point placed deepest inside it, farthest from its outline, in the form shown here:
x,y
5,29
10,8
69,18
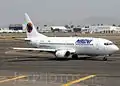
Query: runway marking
x,y
15,78
78,80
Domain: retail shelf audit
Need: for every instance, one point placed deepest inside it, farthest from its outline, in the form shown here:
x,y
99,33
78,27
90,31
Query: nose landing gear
x,y
104,58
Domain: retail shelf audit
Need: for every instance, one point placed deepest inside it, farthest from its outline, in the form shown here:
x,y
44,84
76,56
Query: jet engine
x,y
62,54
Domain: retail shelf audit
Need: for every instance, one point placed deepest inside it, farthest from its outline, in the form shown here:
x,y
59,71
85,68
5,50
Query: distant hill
x,y
100,20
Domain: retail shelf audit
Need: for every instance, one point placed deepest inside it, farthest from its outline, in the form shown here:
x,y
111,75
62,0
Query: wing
x,y
45,50
35,49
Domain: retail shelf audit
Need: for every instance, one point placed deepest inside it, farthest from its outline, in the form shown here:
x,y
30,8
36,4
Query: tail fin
x,y
30,28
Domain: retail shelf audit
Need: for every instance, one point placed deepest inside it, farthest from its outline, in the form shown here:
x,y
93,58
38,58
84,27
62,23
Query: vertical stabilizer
x,y
30,28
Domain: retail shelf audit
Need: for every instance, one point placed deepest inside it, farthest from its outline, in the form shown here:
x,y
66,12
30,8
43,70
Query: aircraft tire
x,y
104,59
75,56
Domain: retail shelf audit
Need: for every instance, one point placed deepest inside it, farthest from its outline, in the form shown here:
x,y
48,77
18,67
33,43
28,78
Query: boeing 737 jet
x,y
64,47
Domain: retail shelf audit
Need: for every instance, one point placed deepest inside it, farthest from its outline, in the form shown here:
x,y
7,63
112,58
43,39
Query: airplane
x,y
64,47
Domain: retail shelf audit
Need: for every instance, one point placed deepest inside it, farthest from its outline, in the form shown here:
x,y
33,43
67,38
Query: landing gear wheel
x,y
104,59
75,56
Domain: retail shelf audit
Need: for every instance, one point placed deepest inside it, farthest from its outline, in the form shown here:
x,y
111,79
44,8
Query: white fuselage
x,y
81,45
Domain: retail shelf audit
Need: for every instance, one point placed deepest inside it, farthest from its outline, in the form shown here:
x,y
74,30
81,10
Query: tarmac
x,y
23,68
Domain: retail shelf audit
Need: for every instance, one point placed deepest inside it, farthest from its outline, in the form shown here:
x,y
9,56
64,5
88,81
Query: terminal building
x,y
13,28
101,29
16,28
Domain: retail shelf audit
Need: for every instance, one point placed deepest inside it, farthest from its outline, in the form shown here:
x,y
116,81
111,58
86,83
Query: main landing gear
x,y
75,56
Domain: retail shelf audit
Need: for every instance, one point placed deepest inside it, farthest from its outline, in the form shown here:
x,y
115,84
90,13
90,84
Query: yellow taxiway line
x,y
79,80
15,78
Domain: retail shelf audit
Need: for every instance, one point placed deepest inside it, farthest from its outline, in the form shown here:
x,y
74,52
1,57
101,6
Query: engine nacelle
x,y
62,54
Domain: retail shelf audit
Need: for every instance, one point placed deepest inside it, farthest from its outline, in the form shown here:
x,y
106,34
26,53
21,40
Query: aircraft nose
x,y
115,48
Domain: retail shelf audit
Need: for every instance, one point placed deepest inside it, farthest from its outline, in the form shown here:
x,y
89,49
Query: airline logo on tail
x,y
29,27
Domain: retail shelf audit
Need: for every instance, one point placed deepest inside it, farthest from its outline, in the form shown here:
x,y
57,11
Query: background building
x,y
16,27
101,29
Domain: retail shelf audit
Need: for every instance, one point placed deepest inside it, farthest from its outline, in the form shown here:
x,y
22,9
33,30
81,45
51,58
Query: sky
x,y
57,11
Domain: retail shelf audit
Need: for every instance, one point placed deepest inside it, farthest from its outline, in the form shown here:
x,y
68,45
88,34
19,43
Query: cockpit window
x,y
108,43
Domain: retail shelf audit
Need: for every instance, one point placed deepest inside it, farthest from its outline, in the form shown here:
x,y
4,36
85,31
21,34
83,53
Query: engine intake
x,y
62,54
